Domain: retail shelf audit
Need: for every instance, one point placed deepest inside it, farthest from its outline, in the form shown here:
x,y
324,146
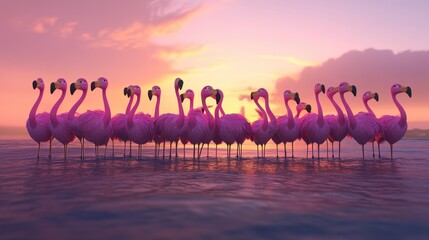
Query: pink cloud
x,y
41,25
371,69
67,29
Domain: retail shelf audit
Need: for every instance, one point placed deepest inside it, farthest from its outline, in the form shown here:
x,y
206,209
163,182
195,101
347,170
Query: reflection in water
x,y
215,198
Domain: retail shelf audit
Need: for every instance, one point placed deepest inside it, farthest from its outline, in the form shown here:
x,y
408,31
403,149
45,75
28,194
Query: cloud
x,y
42,25
371,69
67,29
291,59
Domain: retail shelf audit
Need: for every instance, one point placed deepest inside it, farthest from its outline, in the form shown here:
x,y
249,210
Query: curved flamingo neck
x,y
130,102
54,110
107,113
264,114
209,115
352,119
290,121
72,112
181,119
320,119
191,104
298,112
130,116
269,112
218,110
368,108
403,114
340,114
32,116
158,102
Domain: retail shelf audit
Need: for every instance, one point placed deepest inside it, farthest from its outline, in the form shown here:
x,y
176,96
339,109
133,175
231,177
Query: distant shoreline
x,y
415,133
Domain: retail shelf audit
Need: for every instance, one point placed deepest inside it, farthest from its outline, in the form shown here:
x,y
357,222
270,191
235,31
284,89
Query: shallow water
x,y
214,198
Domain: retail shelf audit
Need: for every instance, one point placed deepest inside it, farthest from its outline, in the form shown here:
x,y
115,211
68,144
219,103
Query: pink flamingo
x,y
299,108
262,130
38,125
363,127
338,124
314,127
207,130
230,128
395,127
288,127
73,120
119,125
96,124
140,127
171,126
368,95
156,91
59,125
193,122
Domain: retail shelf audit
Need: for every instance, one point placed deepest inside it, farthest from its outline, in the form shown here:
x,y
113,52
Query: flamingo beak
x,y
308,108
183,96
54,86
408,91
34,84
72,88
125,91
253,94
323,88
297,100
92,86
128,92
376,97
217,97
180,83
354,90
150,94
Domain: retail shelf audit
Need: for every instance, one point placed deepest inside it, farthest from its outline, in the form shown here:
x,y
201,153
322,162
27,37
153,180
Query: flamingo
x,y
73,120
230,128
363,127
140,127
262,130
96,124
299,108
368,95
119,125
394,127
207,130
288,127
314,127
59,125
338,124
194,122
38,125
156,91
171,126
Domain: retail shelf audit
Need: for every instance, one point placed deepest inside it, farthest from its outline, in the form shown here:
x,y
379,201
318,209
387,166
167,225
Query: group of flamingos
x,y
200,127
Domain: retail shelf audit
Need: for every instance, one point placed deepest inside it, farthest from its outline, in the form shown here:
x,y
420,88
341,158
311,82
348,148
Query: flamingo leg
x,y
391,151
379,155
339,149
38,151
113,148
257,150
327,148
373,152
83,148
307,151
332,145
277,150
312,151
176,149
292,151
208,149
50,148
125,146
193,155
105,151
363,153
318,151
284,147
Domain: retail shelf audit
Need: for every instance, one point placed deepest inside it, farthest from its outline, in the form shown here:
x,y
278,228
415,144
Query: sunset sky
x,y
235,45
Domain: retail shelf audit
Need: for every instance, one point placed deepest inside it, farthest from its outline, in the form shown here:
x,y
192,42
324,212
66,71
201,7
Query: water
x,y
181,198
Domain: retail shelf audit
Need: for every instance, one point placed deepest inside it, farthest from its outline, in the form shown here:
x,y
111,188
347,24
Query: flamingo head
x,y
100,83
127,90
319,88
208,91
219,96
80,84
368,95
331,91
262,92
59,84
398,88
345,87
188,94
289,95
302,105
178,83
134,90
156,90
38,83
